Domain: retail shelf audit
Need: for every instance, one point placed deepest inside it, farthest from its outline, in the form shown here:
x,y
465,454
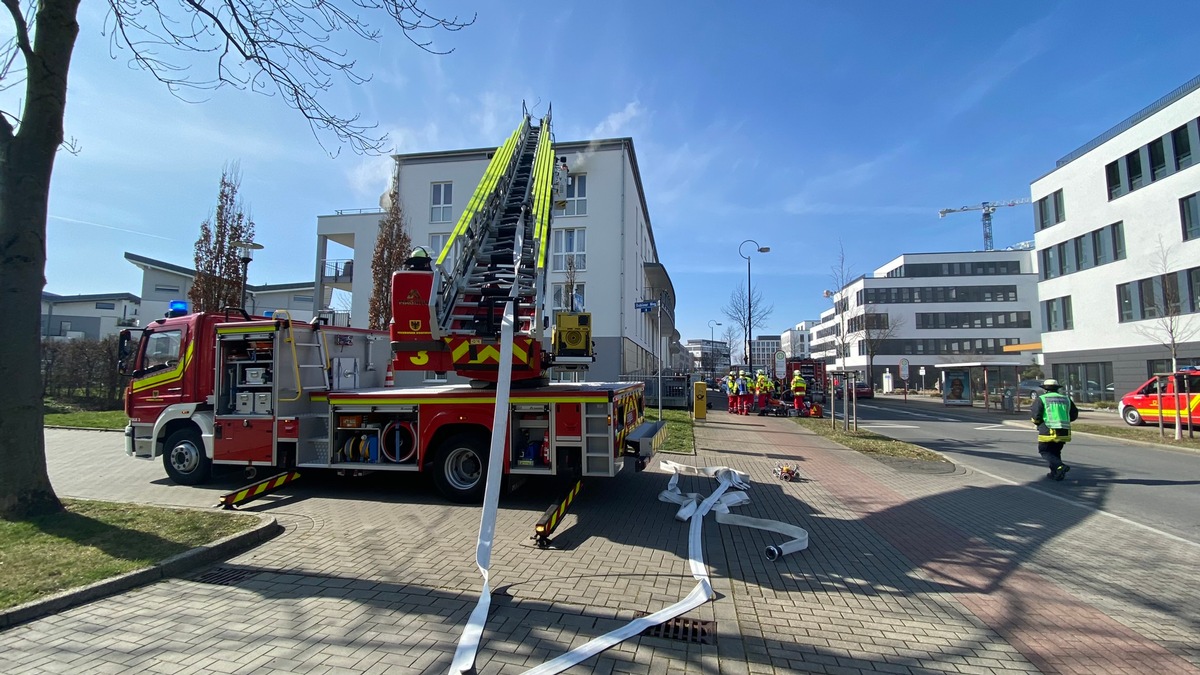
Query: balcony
x,y
338,274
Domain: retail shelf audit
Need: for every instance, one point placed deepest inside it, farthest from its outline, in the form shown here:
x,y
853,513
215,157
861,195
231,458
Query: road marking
x,y
1001,427
888,426
909,412
1085,507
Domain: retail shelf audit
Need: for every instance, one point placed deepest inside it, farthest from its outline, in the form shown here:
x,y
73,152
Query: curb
x,y
176,565
55,426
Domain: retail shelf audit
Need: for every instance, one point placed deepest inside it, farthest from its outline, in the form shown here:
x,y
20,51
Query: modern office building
x,y
937,310
1118,240
796,342
762,354
604,228
709,357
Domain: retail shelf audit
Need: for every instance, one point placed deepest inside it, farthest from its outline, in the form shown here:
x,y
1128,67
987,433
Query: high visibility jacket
x,y
799,386
1053,413
763,384
743,387
730,386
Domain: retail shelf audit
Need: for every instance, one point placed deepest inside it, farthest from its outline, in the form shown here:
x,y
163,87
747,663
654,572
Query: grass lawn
x,y
680,440
867,442
91,541
104,419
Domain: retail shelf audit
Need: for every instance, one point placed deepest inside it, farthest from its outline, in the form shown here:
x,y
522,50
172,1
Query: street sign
x,y
921,371
904,369
780,359
646,305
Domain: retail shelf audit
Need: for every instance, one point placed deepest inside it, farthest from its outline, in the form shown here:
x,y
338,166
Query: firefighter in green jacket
x,y
1053,413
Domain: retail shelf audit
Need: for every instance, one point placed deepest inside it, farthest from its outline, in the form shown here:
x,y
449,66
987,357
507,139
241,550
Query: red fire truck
x,y
256,392
813,372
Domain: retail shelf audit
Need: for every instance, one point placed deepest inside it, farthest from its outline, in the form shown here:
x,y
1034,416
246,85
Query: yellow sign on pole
x,y
700,400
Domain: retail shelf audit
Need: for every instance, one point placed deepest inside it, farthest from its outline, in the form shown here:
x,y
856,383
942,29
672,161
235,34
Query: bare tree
x,y
1168,322
218,269
392,246
730,337
874,328
738,311
841,276
267,46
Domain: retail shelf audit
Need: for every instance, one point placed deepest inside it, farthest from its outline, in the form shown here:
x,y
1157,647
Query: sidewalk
x,y
907,571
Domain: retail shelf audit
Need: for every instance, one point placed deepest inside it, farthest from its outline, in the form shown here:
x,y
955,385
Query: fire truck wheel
x,y
460,468
184,459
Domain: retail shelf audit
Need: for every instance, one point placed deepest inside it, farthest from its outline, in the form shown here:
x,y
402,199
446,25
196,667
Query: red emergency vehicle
x,y
211,388
1159,396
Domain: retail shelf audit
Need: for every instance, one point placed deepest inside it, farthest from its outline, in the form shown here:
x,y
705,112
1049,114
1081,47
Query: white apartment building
x,y
93,316
938,310
605,226
164,283
1118,240
796,342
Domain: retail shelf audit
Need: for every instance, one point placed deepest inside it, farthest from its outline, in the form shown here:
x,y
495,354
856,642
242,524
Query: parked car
x,y
1030,388
861,390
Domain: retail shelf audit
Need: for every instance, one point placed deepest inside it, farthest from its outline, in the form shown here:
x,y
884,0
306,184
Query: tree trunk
x,y
26,163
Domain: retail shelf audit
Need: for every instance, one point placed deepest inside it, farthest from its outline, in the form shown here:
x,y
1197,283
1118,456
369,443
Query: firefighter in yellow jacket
x,y
763,387
731,392
799,391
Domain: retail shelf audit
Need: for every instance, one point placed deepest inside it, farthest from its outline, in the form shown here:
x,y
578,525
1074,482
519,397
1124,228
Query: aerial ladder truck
x,y
271,392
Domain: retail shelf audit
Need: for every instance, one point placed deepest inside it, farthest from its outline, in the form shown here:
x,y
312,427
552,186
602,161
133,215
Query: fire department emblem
x,y
414,298
414,325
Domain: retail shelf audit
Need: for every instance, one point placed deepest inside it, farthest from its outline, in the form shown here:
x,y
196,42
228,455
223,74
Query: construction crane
x,y
988,209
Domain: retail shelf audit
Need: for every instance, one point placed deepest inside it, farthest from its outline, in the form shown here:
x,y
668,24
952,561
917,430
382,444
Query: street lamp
x,y
246,251
712,365
749,298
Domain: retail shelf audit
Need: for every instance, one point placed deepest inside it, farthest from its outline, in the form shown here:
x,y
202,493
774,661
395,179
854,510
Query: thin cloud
x,y
1024,45
110,227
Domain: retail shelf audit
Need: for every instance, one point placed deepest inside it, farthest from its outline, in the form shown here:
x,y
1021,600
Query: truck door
x,y
158,381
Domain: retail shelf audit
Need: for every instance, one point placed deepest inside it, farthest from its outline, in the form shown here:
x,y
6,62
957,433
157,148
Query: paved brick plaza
x,y
907,571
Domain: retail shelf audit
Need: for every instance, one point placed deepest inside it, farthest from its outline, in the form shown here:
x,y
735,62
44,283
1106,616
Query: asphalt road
x,y
1151,486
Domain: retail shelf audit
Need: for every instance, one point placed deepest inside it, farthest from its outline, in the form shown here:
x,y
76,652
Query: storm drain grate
x,y
225,576
685,630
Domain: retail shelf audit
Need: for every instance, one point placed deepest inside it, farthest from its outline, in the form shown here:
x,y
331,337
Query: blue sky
x,y
807,126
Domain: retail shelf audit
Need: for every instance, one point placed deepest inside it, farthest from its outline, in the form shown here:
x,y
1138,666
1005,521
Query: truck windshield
x,y
162,350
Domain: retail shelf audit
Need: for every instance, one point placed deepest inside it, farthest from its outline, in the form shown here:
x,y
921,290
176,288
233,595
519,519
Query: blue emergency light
x,y
177,308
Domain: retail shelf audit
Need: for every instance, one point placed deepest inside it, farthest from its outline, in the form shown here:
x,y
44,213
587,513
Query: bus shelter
x,y
993,381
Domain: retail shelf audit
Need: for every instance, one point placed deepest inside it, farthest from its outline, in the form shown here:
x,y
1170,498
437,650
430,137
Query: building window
x,y
1085,382
576,197
1056,314
1124,303
1133,169
441,202
1183,148
560,304
106,305
1158,160
1112,176
302,299
1154,297
1050,210
163,288
1189,214
1193,276
569,243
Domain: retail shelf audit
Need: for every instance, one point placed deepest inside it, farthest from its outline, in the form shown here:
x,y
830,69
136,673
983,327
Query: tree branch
x,y
22,28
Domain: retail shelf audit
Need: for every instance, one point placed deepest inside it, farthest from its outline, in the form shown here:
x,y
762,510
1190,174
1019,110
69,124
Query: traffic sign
x,y
646,305
904,369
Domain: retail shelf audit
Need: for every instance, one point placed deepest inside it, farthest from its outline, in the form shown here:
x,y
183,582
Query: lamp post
x,y
750,300
712,361
246,251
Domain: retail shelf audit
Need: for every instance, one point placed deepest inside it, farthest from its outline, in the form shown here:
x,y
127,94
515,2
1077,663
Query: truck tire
x,y
1131,416
184,459
460,468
